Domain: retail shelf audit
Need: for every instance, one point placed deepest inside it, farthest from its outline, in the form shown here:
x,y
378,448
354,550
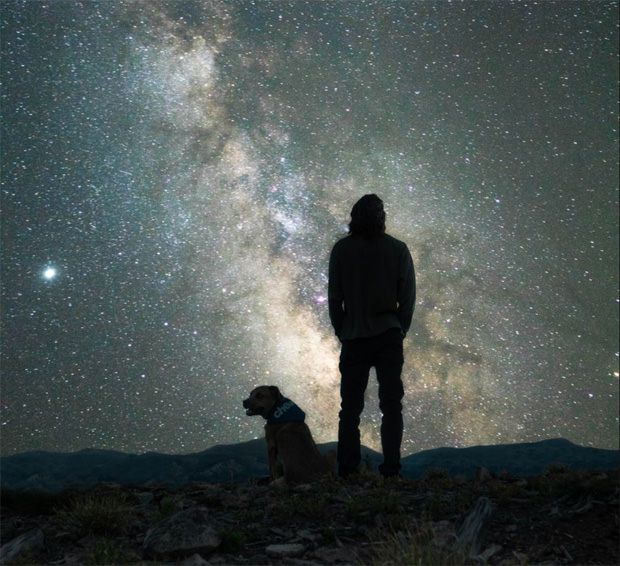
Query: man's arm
x,y
406,290
335,296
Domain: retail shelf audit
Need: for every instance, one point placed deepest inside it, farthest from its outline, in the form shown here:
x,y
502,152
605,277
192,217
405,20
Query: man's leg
x,y
354,372
389,364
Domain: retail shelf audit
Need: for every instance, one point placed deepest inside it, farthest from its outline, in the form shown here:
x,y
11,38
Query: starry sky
x,y
174,175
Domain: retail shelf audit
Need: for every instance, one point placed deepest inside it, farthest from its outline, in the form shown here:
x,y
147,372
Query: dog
x,y
292,452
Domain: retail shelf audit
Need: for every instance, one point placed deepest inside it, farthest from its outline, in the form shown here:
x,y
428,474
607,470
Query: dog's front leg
x,y
273,462
272,452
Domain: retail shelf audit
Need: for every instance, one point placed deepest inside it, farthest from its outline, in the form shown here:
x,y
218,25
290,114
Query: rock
x,y
63,536
511,528
194,560
217,560
88,541
331,555
251,560
285,550
183,534
281,532
470,531
493,549
145,498
444,535
566,553
10,528
75,559
582,507
306,534
27,543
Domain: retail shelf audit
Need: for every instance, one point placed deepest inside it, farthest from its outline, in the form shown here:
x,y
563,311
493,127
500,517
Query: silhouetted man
x,y
371,301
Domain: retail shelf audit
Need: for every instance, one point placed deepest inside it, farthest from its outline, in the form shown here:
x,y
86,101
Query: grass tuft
x,y
374,501
96,514
108,551
167,507
412,546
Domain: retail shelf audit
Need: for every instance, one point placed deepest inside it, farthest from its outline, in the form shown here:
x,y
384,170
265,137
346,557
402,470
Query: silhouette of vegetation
x,y
413,546
96,514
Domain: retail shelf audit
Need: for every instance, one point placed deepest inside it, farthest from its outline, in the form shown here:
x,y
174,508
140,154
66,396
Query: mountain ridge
x,y
55,471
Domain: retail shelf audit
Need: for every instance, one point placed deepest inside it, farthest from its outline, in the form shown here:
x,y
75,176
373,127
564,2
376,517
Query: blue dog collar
x,y
285,412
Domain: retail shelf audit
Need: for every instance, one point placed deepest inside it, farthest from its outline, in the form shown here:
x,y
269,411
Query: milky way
x,y
174,175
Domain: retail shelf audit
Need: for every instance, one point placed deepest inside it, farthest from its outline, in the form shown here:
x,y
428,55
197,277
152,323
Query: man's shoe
x,y
394,481
347,476
394,477
389,472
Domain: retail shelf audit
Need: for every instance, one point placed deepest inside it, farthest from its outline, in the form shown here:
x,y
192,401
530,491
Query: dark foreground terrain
x,y
560,517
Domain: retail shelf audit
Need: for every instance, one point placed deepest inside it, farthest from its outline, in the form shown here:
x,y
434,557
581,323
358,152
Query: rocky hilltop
x,y
560,517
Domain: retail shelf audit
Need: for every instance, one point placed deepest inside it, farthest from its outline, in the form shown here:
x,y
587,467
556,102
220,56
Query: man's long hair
x,y
367,217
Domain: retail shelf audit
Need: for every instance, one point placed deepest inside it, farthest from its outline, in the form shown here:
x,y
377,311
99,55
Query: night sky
x,y
174,175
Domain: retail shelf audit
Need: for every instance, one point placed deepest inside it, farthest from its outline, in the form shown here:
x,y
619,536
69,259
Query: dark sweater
x,y
371,286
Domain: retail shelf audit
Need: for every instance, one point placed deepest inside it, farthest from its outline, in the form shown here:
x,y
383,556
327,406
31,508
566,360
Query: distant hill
x,y
525,459
54,471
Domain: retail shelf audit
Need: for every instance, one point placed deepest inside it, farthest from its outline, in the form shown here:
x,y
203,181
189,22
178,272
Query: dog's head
x,y
261,400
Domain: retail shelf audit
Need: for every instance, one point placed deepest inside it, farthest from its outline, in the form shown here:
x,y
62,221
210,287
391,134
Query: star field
x,y
174,175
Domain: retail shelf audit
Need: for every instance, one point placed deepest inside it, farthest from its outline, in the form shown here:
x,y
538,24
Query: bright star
x,y
49,273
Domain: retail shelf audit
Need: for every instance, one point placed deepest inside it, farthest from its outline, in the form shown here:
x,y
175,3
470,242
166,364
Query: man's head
x,y
367,217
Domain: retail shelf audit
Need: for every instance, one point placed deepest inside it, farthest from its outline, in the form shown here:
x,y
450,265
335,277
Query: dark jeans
x,y
385,353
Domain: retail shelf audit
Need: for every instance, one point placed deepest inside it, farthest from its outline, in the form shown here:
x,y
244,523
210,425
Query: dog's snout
x,y
246,403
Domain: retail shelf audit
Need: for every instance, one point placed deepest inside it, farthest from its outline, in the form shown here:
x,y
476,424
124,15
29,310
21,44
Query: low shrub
x,y
413,546
108,551
96,514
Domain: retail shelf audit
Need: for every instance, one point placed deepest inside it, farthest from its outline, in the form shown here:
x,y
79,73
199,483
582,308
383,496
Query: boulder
x,y
194,560
27,543
183,534
285,550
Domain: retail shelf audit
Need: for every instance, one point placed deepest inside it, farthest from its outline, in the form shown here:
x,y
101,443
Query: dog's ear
x,y
276,392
